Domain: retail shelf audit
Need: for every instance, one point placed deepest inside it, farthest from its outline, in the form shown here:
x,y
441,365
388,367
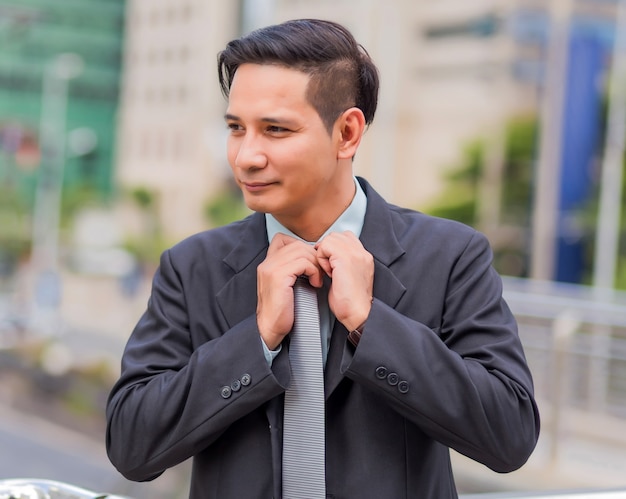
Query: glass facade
x,y
33,34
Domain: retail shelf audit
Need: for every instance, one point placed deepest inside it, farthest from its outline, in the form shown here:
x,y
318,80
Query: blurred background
x,y
508,116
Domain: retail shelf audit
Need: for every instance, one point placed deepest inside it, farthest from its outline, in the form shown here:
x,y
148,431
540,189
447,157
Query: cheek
x,y
232,149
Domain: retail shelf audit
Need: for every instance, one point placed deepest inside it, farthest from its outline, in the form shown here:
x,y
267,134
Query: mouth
x,y
256,186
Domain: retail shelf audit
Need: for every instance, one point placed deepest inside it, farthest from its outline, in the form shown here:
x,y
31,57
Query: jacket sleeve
x,y
464,381
174,398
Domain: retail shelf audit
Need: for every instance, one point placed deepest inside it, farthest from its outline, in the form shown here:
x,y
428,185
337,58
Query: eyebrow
x,y
267,119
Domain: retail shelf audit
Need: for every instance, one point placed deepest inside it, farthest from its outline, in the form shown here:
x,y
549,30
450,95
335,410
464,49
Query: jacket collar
x,y
379,238
252,242
237,299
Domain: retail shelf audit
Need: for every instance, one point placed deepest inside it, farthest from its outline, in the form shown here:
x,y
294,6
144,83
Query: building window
x,y
181,94
485,26
184,53
145,149
154,17
186,12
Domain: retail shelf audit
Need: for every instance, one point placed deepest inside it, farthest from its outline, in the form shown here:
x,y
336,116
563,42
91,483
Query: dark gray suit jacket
x,y
439,365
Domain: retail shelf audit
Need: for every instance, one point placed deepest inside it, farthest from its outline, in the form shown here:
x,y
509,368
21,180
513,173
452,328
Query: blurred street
x,y
38,439
583,462
32,447
35,441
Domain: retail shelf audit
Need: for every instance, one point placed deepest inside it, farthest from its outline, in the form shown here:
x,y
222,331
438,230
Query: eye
x,y
234,127
277,130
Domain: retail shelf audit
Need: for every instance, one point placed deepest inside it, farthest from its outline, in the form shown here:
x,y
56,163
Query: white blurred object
x,y
22,488
97,246
115,262
82,141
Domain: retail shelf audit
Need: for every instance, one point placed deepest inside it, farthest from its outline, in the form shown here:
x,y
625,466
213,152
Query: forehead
x,y
259,83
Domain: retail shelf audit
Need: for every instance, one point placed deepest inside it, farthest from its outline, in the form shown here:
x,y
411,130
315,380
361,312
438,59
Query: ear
x,y
350,126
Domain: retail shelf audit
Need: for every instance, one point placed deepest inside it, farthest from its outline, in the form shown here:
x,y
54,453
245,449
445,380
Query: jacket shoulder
x,y
218,239
410,223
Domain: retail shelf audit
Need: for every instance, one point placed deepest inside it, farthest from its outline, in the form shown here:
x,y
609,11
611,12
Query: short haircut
x,y
341,72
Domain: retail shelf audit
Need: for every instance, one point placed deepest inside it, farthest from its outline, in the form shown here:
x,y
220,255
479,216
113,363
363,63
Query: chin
x,y
257,205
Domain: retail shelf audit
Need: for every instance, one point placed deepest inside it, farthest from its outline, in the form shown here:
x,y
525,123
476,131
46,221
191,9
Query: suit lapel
x,y
378,237
237,299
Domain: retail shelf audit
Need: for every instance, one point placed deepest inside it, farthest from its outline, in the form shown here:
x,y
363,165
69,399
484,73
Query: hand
x,y
287,259
351,268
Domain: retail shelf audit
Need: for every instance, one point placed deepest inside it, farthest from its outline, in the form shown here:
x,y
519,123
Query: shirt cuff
x,y
270,355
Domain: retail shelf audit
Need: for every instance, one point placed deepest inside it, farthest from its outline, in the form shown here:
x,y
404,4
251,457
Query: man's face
x,y
282,157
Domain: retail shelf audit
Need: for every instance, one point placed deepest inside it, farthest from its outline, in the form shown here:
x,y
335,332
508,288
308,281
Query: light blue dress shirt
x,y
351,219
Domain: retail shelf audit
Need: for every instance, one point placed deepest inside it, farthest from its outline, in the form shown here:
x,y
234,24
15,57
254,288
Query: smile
x,y
256,186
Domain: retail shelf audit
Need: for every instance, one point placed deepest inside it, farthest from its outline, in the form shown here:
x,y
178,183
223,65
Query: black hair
x,y
341,72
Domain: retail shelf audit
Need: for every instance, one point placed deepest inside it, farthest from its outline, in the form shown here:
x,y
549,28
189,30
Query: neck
x,y
311,225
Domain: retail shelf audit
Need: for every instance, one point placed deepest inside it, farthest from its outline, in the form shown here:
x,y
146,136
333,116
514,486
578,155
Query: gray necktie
x,y
303,428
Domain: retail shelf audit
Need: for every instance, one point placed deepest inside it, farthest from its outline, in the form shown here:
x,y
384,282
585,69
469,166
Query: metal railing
x,y
49,489
575,342
619,494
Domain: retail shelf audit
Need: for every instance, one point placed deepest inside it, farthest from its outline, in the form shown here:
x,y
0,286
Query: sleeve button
x,y
381,372
246,379
236,385
226,392
393,379
403,386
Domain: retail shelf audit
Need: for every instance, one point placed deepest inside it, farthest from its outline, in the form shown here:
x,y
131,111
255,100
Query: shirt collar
x,y
351,219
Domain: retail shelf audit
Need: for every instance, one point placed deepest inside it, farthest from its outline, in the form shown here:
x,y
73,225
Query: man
x,y
421,353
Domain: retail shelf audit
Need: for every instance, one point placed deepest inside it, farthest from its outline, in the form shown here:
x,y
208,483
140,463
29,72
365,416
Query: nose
x,y
249,152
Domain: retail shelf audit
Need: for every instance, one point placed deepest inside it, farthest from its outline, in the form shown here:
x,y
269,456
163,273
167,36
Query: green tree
x,y
225,207
459,200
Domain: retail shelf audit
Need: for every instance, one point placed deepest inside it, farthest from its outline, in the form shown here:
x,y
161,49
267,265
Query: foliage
x,y
143,197
147,245
459,200
76,198
520,147
620,278
147,249
16,216
589,219
15,233
226,207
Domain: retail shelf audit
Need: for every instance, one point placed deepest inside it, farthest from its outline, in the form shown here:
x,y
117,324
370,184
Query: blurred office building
x,y
171,130
446,78
43,41
452,73
60,65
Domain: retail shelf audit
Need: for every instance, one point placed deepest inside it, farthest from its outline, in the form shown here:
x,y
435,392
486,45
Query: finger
x,y
346,239
324,262
325,249
333,245
296,258
280,240
314,274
